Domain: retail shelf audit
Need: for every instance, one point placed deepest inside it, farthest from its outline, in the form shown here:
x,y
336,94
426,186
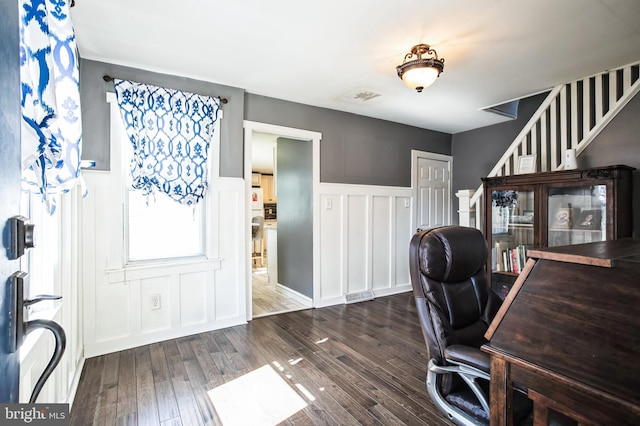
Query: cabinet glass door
x,y
577,215
512,233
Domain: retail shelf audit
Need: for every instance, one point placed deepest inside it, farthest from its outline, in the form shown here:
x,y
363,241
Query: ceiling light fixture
x,y
418,72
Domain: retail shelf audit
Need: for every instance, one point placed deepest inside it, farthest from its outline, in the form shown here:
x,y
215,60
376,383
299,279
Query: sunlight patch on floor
x,y
259,398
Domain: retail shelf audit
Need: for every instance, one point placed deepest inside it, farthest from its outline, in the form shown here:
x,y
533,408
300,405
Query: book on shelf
x,y
509,259
522,256
500,247
506,265
514,261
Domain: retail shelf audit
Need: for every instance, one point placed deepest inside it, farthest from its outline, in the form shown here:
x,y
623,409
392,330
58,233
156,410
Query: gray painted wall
x,y
95,111
295,215
476,152
354,149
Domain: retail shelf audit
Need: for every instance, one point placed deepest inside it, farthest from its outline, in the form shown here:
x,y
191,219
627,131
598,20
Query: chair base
x,y
469,412
455,414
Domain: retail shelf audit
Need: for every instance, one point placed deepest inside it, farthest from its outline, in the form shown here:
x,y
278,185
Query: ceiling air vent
x,y
508,109
360,96
365,96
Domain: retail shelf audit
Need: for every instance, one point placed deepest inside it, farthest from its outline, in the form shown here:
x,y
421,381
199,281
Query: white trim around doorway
x,y
315,137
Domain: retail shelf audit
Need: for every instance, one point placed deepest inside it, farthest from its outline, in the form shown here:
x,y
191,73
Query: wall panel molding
x,y
364,238
195,296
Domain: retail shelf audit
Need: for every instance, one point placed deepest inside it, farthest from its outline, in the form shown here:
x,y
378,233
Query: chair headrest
x,y
452,253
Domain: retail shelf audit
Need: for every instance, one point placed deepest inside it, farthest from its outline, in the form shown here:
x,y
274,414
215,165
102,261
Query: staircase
x,y
571,117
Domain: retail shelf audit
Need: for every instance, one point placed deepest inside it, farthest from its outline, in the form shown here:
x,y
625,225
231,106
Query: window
x,y
163,228
160,228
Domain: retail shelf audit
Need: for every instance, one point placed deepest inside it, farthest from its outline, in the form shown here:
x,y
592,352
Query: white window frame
x,y
118,246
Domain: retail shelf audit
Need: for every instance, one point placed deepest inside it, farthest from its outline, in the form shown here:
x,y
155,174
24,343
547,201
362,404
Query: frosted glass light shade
x,y
419,77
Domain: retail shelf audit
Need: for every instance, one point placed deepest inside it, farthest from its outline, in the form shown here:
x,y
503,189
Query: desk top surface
x,y
603,253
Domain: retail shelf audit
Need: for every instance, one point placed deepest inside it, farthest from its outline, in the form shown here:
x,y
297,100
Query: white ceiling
x,y
322,53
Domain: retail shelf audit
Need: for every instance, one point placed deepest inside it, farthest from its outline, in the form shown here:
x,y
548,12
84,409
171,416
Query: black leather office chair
x,y
455,307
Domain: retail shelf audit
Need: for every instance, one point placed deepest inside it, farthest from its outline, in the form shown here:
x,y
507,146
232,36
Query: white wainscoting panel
x,y
155,319
381,242
403,234
357,234
111,309
230,289
195,296
364,241
332,250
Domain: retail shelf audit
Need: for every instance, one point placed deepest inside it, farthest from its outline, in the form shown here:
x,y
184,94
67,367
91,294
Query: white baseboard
x,y
300,298
134,341
401,288
330,301
340,300
76,380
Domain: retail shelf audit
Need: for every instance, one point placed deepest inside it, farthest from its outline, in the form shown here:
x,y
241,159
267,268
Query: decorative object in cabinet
x,y
550,209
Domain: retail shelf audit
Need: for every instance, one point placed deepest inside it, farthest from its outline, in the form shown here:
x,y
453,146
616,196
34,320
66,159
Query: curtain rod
x,y
222,100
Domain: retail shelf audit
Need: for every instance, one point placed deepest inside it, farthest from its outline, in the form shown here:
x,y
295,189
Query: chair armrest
x,y
468,355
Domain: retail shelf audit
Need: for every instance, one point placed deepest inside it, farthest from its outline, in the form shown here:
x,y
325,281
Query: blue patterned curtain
x,y
170,131
49,74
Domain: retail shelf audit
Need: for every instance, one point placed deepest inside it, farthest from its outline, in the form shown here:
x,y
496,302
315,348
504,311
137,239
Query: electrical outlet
x,y
155,301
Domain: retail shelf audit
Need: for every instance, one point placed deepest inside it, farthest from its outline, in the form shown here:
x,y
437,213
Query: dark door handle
x,y
41,298
21,327
58,350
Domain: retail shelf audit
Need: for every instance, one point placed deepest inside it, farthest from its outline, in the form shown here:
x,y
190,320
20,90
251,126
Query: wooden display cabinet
x,y
550,209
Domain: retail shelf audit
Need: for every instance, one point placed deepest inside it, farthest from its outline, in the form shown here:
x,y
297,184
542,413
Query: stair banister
x,y
556,104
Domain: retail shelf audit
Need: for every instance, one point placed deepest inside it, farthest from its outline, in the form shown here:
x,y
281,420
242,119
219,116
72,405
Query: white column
x,y
466,214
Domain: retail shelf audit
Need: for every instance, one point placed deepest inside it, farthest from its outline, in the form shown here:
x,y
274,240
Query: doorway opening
x,y
281,179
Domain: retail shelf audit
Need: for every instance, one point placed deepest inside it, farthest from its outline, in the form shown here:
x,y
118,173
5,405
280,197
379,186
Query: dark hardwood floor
x,y
352,364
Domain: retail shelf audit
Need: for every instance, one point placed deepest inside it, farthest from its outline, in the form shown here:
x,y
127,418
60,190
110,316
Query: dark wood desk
x,y
569,331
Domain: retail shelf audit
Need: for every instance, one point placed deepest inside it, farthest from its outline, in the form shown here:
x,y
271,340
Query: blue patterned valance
x,y
49,74
170,131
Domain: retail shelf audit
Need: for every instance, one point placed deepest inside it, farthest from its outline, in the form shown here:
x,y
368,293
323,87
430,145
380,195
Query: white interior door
x,y
433,190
